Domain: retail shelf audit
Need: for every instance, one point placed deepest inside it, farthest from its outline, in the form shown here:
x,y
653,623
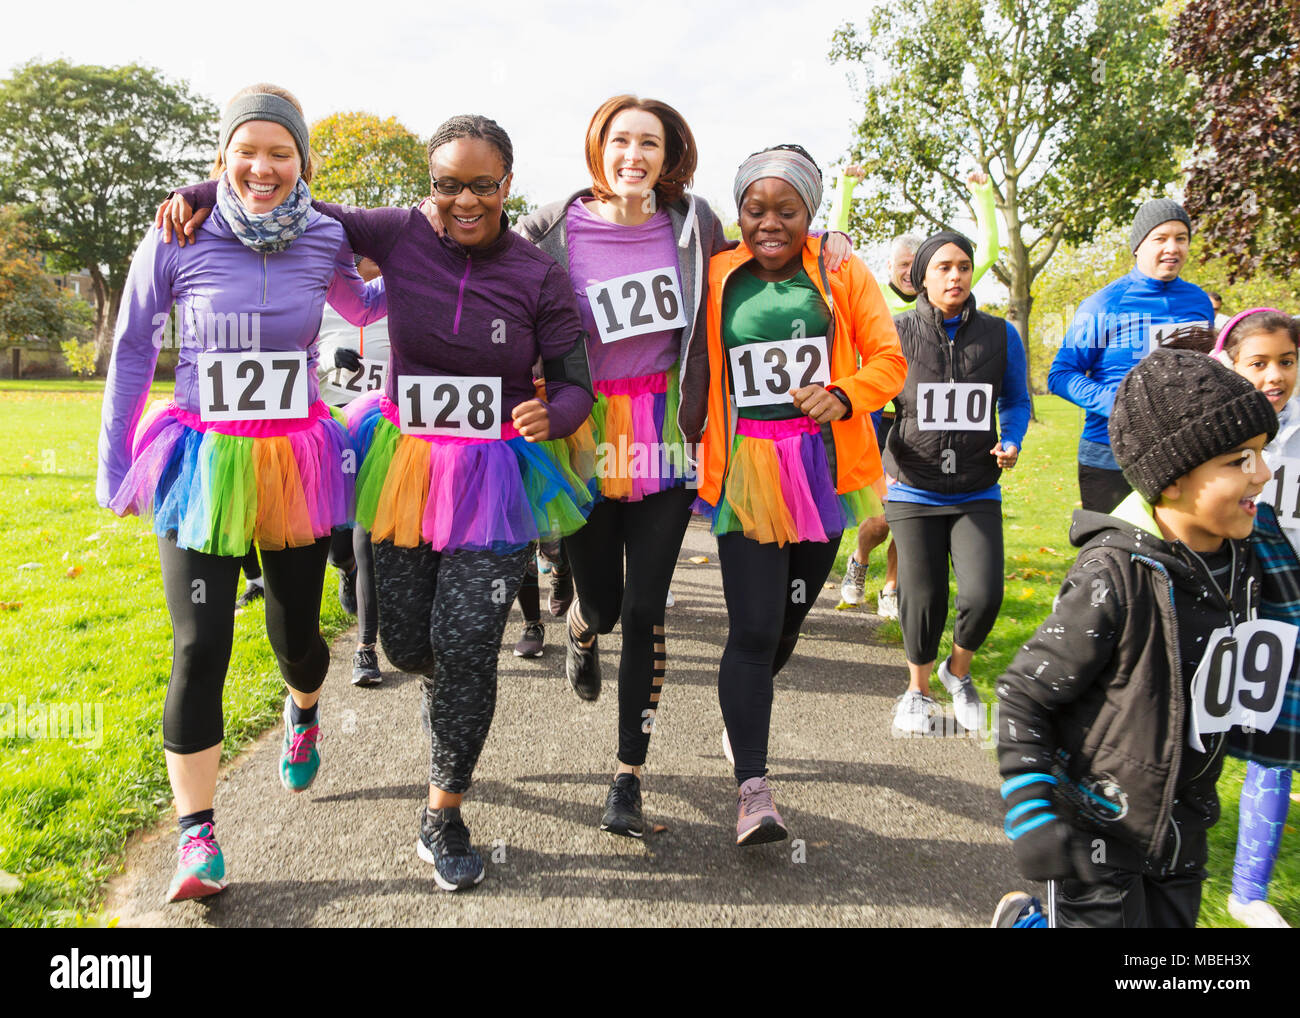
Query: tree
x,y
30,303
1069,106
368,162
1244,184
90,150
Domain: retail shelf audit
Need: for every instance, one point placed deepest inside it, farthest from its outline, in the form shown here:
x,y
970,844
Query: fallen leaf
x,y
658,829
9,883
74,571
699,560
10,606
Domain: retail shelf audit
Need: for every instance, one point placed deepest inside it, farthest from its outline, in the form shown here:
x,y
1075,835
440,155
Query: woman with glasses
x,y
456,478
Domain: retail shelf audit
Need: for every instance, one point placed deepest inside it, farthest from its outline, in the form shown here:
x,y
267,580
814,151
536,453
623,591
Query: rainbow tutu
x,y
778,487
451,493
630,446
220,486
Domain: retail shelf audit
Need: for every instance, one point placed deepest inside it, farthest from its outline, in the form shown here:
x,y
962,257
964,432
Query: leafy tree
x,y
1244,185
31,305
1069,106
368,162
89,149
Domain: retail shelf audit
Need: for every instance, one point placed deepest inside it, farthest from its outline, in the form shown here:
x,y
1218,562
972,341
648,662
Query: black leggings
x,y
349,549
200,590
973,540
442,616
649,533
1101,490
769,589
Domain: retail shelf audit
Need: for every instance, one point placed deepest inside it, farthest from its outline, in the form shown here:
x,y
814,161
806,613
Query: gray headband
x,y
264,106
784,164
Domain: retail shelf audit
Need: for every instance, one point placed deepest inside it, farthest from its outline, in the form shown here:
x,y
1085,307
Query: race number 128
x,y
252,386
467,407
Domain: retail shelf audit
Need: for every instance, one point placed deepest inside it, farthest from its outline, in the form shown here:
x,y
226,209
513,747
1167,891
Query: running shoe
x,y
887,603
299,757
348,590
581,665
966,703
530,644
253,592
1018,911
1259,915
757,821
365,667
914,713
202,869
855,578
726,748
623,807
561,595
444,842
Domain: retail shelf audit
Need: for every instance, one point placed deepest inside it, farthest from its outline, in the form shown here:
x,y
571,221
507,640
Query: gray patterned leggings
x,y
442,615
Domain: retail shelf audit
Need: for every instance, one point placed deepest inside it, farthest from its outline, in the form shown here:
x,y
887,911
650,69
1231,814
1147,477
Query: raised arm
x,y
986,224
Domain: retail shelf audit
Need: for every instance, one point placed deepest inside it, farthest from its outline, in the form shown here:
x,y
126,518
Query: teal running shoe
x,y
201,870
299,757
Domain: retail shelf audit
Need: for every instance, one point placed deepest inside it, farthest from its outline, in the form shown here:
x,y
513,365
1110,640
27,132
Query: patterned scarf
x,y
265,232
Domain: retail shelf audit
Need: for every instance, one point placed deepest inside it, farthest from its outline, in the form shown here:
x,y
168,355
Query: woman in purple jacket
x,y
244,451
458,476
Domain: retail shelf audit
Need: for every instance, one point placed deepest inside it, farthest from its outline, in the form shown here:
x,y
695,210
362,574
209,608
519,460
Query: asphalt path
x,y
884,831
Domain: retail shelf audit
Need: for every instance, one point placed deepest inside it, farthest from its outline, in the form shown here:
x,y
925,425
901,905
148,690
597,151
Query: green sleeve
x,y
842,203
986,228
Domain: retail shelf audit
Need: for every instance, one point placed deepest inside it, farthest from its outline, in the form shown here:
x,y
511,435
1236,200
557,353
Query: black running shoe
x,y
623,807
348,590
581,665
365,667
253,593
561,595
444,842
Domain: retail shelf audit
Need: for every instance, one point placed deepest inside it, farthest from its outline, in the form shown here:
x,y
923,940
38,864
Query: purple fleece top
x,y
460,311
227,297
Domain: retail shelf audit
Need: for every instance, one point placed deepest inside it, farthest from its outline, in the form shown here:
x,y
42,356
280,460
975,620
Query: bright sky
x,y
745,75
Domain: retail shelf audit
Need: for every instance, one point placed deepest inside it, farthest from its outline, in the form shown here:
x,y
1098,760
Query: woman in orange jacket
x,y
788,455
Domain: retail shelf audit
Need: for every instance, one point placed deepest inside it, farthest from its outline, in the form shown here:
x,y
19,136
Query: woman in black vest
x,y
966,373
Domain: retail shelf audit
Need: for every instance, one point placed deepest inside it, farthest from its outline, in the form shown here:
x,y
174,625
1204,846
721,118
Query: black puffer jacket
x,y
1098,698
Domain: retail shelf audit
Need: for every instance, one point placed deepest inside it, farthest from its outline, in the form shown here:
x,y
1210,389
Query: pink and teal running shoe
x,y
202,870
299,758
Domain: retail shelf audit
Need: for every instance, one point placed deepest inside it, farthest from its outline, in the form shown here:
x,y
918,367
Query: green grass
x,y
82,620
1038,498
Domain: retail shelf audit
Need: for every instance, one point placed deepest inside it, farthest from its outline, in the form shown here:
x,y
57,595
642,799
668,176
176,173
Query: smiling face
x,y
900,269
948,279
1163,252
774,225
1268,361
471,220
1216,500
262,165
633,156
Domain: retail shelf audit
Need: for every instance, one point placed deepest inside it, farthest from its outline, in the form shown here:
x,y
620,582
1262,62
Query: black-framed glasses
x,y
484,187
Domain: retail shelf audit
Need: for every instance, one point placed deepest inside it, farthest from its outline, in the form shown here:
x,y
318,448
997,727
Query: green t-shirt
x,y
757,312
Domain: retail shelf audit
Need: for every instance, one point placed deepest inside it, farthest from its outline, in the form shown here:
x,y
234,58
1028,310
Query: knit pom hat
x,y
1152,214
1178,409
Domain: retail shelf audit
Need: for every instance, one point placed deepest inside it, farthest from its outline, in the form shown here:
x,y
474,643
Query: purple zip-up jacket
x,y
228,298
459,311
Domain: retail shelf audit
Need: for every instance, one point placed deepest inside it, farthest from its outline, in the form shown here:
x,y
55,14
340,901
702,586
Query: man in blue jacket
x,y
1115,328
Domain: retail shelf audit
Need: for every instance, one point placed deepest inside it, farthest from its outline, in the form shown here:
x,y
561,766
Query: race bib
x,y
369,377
1241,680
444,405
1282,491
252,386
633,305
954,406
765,373
1159,335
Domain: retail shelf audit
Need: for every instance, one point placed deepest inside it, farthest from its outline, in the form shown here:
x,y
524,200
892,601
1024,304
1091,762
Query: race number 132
x,y
252,386
467,407
765,373
954,406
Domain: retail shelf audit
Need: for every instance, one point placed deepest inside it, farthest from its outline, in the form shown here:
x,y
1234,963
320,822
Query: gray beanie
x,y
265,106
1178,409
1152,214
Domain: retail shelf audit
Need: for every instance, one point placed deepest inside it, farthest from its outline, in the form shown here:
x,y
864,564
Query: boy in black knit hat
x,y
1112,716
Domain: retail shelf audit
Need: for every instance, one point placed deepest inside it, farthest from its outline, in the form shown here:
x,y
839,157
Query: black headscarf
x,y
927,250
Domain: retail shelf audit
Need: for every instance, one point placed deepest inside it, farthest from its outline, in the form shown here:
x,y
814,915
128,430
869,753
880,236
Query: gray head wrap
x,y
793,167
264,106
